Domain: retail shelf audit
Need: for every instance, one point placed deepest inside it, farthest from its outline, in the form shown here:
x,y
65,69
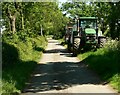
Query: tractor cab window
x,y
88,24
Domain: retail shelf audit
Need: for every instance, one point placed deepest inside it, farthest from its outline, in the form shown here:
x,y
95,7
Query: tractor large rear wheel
x,y
76,43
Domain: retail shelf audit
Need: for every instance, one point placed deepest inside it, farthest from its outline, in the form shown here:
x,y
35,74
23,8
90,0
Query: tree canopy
x,y
35,17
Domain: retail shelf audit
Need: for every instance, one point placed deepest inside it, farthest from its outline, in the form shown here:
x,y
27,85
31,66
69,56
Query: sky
x,y
62,1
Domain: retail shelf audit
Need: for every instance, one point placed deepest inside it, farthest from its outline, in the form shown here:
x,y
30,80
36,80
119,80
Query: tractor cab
x,y
88,29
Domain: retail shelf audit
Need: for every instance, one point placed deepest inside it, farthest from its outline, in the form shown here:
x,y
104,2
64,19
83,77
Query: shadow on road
x,y
56,51
63,52
60,75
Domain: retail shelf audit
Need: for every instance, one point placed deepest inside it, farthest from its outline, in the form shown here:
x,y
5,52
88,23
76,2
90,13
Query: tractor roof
x,y
91,18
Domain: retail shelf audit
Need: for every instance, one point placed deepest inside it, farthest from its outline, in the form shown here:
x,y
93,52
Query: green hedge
x,y
20,57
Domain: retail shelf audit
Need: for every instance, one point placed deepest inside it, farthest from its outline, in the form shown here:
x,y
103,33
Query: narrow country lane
x,y
58,72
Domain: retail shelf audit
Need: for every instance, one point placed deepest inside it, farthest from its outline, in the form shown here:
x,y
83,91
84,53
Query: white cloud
x,y
62,1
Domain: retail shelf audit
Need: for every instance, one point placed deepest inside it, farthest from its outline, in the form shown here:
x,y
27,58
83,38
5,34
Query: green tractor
x,y
84,34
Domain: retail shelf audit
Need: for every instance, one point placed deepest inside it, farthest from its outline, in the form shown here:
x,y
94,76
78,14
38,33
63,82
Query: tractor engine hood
x,y
90,31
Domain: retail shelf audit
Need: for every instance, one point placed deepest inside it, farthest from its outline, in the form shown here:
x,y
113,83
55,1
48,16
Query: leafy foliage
x,y
18,56
39,18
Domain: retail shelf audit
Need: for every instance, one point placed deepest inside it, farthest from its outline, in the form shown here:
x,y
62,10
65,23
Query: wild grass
x,y
14,77
20,57
106,62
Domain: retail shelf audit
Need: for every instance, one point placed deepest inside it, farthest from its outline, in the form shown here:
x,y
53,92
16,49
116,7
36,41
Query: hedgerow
x,y
19,58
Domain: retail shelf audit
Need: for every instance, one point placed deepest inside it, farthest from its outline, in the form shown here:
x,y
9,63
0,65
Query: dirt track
x,y
58,72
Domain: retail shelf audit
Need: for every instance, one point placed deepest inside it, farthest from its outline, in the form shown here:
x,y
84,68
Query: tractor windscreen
x,y
88,24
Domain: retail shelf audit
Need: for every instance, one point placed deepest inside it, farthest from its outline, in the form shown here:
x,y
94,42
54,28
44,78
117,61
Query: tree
x,y
10,11
114,19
